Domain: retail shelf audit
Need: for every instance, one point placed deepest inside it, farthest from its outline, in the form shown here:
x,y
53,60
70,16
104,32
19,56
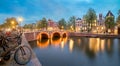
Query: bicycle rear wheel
x,y
7,56
22,55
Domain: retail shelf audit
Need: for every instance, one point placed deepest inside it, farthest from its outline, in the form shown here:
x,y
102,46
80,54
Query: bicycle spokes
x,y
22,55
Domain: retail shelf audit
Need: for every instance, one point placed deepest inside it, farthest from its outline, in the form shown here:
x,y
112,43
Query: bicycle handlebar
x,y
8,38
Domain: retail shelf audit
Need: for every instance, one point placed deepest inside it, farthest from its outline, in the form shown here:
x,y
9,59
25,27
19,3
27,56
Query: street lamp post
x,y
33,28
13,24
62,28
20,19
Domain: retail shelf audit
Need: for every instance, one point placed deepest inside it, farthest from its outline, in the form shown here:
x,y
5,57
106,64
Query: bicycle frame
x,y
6,48
18,47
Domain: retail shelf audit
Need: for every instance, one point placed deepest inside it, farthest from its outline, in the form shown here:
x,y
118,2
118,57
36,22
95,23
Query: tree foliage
x,y
71,22
109,22
27,26
41,24
118,18
90,17
10,22
44,23
62,24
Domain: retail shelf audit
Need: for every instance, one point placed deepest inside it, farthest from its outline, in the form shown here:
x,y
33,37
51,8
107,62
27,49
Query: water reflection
x,y
54,42
43,44
102,44
119,49
108,44
92,46
63,42
109,47
71,44
79,49
97,44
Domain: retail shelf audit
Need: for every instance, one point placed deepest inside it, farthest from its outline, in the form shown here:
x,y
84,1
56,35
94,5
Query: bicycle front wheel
x,y
22,55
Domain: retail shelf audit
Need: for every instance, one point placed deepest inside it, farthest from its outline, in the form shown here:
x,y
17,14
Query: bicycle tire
x,y
7,57
19,58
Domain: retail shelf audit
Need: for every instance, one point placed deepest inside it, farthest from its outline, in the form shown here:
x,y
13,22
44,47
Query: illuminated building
x,y
52,24
78,24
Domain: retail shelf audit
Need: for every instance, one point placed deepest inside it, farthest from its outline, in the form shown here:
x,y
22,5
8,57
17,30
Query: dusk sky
x,y
34,10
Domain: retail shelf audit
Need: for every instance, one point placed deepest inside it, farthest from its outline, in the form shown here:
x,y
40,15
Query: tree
x,y
119,12
68,25
62,23
44,23
118,18
1,26
25,26
10,23
28,26
90,17
39,24
109,22
71,22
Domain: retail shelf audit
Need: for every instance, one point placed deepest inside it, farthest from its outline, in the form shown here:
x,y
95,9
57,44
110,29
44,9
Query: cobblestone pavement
x,y
33,62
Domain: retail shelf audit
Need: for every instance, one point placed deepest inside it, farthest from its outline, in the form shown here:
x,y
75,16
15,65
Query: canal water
x,y
78,51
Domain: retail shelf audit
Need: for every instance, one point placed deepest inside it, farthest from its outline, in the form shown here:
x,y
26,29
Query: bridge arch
x,y
55,35
42,35
64,34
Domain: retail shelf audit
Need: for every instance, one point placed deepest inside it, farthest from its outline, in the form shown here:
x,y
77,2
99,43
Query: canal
x,y
78,51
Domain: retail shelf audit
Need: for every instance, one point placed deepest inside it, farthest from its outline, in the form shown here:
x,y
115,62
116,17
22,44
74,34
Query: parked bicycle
x,y
22,53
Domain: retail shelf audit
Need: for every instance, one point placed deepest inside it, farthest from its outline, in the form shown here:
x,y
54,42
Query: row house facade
x,y
81,25
100,24
52,25
97,27
78,24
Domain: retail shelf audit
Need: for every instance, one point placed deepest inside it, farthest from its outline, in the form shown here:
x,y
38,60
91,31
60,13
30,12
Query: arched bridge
x,y
45,35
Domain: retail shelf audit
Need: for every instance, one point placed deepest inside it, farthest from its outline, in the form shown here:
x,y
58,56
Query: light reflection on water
x,y
71,45
78,52
56,42
96,44
43,44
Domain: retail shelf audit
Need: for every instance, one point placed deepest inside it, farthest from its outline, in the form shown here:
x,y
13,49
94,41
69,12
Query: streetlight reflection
x,y
63,42
71,44
102,44
97,44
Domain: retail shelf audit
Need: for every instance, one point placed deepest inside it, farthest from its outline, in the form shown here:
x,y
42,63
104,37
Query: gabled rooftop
x,y
78,19
109,14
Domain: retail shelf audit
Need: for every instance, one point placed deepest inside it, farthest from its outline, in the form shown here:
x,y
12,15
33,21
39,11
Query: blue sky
x,y
34,10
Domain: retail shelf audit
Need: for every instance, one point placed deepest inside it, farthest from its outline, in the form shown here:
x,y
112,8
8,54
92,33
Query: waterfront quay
x,y
78,34
33,62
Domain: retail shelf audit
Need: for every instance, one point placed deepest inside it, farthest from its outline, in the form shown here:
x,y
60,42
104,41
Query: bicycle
x,y
22,53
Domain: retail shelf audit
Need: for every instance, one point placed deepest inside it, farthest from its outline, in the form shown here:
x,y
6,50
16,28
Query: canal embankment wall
x,y
77,34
